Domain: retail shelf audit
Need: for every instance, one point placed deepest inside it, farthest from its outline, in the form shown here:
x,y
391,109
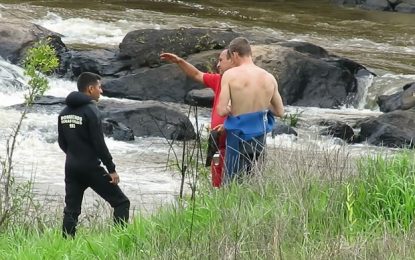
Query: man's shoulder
x,y
239,69
64,111
92,107
232,72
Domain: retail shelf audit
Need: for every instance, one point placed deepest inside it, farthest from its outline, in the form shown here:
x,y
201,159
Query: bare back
x,y
251,89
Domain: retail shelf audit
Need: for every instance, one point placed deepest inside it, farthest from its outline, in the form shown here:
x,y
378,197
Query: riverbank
x,y
294,212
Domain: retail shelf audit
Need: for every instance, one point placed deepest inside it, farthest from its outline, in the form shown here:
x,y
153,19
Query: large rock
x,y
150,119
393,129
124,120
143,47
404,6
402,100
104,62
17,36
308,75
164,83
381,5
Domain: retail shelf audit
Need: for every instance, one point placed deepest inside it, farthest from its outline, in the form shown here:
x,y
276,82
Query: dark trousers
x,y
76,182
241,155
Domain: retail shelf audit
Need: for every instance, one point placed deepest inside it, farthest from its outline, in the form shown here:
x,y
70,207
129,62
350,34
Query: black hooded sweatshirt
x,y
80,135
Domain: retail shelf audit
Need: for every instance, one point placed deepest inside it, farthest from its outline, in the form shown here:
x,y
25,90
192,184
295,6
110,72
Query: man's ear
x,y
235,55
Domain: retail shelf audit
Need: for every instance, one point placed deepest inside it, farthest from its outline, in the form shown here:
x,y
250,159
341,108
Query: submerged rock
x,y
338,129
282,128
118,131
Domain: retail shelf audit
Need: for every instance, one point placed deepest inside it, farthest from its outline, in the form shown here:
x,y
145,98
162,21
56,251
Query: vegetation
x,y
292,118
307,212
16,198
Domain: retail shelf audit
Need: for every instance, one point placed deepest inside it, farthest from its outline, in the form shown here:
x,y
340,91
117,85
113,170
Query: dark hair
x,y
241,46
86,79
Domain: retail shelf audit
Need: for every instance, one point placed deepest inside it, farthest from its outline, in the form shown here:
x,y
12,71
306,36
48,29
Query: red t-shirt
x,y
213,81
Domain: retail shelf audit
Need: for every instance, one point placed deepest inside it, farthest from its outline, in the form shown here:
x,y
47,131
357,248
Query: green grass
x,y
384,193
281,215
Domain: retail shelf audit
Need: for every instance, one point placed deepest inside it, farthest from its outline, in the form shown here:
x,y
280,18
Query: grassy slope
x,y
294,211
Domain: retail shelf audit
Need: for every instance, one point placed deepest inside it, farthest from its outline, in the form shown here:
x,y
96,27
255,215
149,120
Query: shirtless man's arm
x,y
276,106
223,108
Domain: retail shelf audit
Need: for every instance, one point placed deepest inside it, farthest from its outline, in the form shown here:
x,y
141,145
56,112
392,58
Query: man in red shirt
x,y
213,81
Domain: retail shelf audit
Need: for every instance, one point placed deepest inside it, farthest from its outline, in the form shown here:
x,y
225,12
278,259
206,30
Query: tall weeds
x,y
296,209
40,59
383,195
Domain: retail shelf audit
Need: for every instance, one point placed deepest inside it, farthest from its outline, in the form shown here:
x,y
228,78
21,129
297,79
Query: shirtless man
x,y
253,93
213,81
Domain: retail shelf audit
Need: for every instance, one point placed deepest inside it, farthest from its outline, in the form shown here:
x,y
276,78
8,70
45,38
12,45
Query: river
x,y
383,42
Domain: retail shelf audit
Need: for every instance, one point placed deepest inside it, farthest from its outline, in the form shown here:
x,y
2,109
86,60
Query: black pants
x,y
76,182
251,152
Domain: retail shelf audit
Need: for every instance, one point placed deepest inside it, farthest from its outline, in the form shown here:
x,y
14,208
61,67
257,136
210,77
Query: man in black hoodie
x,y
82,140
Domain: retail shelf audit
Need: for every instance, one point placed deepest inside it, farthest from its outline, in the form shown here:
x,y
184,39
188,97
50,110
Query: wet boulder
x,y
310,76
337,129
49,100
104,62
17,36
117,130
282,128
404,6
149,118
164,83
124,120
393,129
143,47
402,100
380,5
307,74
200,97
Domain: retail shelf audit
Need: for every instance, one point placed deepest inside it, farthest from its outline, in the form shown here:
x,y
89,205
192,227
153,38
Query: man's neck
x,y
246,60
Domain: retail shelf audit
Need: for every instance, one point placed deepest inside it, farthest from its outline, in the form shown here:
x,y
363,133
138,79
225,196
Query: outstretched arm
x,y
190,70
277,107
